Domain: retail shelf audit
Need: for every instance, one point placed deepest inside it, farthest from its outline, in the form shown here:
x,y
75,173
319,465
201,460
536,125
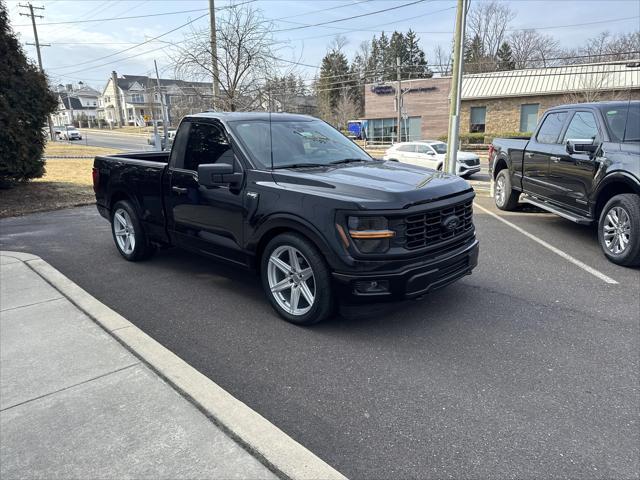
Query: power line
x,y
133,16
135,46
351,17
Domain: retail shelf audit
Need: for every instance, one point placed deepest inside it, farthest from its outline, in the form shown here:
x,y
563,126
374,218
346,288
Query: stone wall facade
x,y
503,114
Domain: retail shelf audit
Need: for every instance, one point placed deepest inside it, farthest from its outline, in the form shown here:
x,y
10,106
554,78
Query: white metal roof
x,y
552,80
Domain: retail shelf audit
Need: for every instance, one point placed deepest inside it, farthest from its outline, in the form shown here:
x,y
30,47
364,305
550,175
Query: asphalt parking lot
x,y
528,368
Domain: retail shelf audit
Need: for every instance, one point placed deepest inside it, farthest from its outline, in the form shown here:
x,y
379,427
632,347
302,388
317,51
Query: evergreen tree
x,y
332,84
25,104
416,62
505,57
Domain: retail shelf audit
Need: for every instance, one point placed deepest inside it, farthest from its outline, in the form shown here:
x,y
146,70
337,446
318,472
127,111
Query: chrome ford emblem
x,y
451,222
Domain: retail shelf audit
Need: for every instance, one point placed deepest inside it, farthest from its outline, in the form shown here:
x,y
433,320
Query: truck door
x,y
539,152
207,219
571,174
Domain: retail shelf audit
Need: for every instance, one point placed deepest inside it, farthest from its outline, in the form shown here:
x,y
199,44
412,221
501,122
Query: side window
x,y
407,148
582,126
551,127
207,144
423,149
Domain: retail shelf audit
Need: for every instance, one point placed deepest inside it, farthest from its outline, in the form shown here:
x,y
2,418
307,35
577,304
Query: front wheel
x,y
505,196
296,280
619,230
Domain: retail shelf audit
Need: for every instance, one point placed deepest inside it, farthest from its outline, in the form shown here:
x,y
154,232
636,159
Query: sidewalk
x,y
75,403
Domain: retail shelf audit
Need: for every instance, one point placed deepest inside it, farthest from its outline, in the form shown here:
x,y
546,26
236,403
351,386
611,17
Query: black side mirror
x,y
579,145
217,174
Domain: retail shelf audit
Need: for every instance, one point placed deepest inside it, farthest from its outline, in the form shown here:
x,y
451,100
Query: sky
x,y
77,49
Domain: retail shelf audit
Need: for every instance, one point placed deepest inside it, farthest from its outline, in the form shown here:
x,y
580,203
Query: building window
x,y
478,115
137,98
383,130
529,117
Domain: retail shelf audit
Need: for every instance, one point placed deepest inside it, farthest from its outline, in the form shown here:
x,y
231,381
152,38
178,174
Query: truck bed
x,y
139,175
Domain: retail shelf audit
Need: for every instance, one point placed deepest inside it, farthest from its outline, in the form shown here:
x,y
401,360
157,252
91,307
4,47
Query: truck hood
x,y
381,185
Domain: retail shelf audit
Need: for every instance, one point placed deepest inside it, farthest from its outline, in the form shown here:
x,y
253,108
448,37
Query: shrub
x,y
25,104
480,138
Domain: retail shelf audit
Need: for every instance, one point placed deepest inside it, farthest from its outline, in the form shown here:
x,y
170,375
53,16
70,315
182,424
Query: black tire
x,y
505,197
142,248
628,203
323,304
439,167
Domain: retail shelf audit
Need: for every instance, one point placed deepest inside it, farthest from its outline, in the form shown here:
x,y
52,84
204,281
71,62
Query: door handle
x,y
528,155
555,159
179,190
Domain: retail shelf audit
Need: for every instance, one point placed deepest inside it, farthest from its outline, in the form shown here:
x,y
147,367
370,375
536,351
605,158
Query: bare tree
x,y
606,47
595,87
489,21
532,49
245,56
443,59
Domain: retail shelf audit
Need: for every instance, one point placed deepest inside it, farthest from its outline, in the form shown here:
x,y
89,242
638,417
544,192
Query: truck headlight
x,y
370,234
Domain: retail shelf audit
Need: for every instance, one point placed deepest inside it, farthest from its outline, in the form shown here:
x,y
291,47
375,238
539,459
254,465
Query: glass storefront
x,y
384,130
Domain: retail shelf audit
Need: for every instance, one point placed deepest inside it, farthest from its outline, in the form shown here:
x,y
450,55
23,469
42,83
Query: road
x,y
526,369
110,139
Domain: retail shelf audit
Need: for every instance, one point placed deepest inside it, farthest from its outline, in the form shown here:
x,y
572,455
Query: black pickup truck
x,y
293,198
582,163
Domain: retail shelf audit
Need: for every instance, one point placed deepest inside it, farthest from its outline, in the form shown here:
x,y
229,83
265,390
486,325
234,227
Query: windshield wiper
x,y
348,160
300,165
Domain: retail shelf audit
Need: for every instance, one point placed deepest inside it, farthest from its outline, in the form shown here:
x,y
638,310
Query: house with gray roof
x,y
135,99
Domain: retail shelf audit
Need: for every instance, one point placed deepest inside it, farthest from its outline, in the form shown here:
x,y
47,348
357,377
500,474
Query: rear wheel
x,y
619,230
128,234
505,196
296,280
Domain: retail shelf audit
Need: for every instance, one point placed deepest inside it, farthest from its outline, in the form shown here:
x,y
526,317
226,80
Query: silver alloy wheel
x,y
291,280
617,230
124,231
500,192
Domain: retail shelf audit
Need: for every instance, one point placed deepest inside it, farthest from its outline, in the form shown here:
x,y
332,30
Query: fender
x,y
618,176
294,223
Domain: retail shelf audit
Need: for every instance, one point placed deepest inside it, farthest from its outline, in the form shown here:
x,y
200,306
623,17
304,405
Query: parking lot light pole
x,y
456,87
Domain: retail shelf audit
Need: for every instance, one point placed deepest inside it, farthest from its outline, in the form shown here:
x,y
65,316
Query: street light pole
x,y
456,86
214,54
37,45
399,100
164,113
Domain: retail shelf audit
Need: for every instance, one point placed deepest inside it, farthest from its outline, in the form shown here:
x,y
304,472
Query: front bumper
x,y
413,281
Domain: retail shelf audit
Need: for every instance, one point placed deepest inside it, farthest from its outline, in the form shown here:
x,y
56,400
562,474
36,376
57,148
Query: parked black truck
x,y
291,197
582,163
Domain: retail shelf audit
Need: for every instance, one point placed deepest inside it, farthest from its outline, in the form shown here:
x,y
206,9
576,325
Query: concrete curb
x,y
274,448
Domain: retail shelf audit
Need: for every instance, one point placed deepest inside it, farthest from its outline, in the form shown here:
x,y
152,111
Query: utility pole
x,y
37,45
164,113
456,87
399,100
116,99
214,54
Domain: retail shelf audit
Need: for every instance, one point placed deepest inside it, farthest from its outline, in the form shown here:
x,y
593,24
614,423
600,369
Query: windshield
x,y
296,143
439,147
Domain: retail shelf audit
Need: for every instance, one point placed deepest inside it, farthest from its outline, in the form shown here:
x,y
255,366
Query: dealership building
x,y
493,103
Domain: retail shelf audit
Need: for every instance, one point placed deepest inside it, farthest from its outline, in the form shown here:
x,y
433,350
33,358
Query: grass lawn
x,y
75,149
67,183
127,129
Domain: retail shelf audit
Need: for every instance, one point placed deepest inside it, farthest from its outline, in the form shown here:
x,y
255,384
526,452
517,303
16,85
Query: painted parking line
x,y
557,251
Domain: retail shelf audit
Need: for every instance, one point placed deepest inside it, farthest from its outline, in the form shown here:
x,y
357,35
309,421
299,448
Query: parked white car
x,y
431,153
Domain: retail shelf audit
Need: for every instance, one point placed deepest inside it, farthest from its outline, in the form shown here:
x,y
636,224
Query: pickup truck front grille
x,y
435,226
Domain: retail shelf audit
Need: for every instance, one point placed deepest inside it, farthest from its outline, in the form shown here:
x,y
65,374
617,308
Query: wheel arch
x,y
500,163
276,225
611,186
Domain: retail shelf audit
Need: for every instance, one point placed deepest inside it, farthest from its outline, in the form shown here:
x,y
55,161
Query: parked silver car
x,y
431,153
